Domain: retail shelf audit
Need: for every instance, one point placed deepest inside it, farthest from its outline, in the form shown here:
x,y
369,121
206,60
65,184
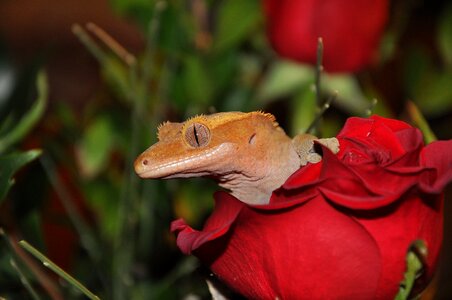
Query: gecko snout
x,y
141,165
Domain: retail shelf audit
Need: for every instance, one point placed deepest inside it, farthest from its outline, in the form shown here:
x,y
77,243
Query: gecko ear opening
x,y
197,135
252,139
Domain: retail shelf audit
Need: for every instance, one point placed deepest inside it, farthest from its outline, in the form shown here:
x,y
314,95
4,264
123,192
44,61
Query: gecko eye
x,y
197,135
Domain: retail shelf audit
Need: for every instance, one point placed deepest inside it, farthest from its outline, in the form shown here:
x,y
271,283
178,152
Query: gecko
x,y
248,154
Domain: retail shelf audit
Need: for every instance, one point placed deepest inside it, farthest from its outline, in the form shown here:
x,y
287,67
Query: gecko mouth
x,y
151,164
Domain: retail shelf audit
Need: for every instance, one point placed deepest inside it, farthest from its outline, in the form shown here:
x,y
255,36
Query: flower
x,y
350,30
337,229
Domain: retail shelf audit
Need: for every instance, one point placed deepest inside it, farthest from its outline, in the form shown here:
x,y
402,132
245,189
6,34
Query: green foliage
x,y
96,145
131,5
283,78
12,135
16,266
350,95
198,83
236,20
287,78
9,165
414,267
427,82
139,9
304,110
445,35
116,75
102,195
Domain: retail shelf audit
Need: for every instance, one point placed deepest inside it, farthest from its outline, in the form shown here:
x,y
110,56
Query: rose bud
x,y
350,30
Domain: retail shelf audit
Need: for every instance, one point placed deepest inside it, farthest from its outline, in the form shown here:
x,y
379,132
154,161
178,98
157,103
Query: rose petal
x,y
227,208
305,251
437,157
305,176
395,227
375,132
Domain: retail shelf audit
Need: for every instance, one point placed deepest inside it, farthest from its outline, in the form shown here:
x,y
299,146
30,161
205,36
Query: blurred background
x,y
88,82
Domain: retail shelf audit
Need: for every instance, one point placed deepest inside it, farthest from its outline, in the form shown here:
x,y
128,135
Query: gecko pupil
x,y
197,135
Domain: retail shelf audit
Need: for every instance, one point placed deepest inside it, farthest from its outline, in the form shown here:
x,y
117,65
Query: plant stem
x,y
318,72
86,40
420,122
321,108
24,280
52,266
15,265
45,281
108,40
314,124
415,264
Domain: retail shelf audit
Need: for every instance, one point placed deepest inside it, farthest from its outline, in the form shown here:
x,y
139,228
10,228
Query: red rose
x,y
337,229
350,30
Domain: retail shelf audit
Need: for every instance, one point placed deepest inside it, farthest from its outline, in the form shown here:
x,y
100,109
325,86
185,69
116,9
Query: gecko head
x,y
219,145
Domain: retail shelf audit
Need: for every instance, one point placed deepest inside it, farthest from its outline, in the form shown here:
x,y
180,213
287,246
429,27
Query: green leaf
x,y
428,86
224,68
331,126
29,120
283,79
9,165
388,46
304,108
417,63
199,86
236,20
100,193
95,146
128,5
444,36
116,75
350,95
433,95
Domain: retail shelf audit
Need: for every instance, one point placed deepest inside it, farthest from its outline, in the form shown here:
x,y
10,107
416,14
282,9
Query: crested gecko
x,y
248,154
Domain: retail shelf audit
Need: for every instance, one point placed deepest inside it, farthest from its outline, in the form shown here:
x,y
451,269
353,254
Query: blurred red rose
x,y
350,30
337,229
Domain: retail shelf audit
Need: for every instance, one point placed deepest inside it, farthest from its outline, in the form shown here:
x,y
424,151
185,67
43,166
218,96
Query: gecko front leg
x,y
304,146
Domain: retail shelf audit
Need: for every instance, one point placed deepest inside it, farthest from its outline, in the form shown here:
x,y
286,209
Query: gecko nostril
x,y
145,162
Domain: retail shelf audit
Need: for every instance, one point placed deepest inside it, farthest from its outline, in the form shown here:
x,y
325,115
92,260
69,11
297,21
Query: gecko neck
x,y
256,189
